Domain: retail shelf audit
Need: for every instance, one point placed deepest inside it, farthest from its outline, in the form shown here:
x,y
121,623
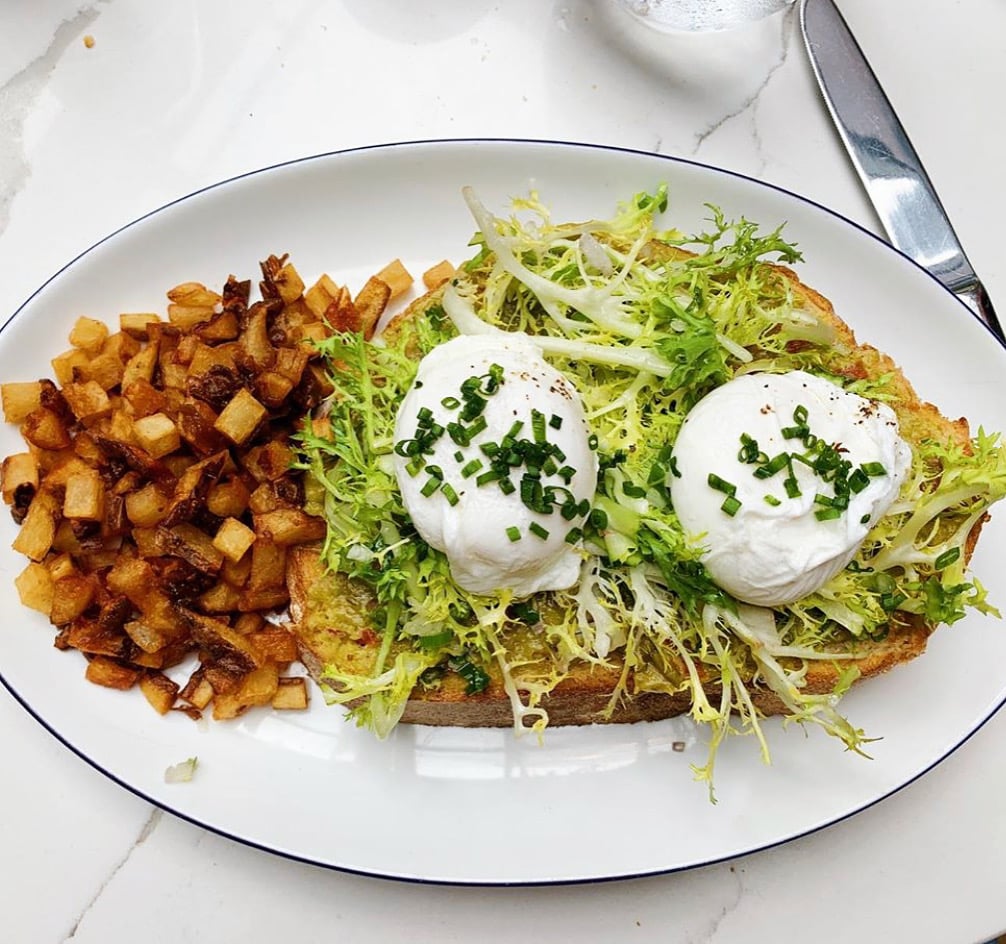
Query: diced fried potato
x,y
437,275
46,429
19,399
268,568
157,434
63,365
193,293
259,687
88,334
19,471
233,538
228,498
287,526
160,691
254,340
270,461
111,674
288,283
84,497
147,506
106,370
35,587
141,366
144,398
249,623
198,692
88,401
147,637
370,303
39,527
192,545
135,324
222,597
72,595
274,643
320,295
396,277
241,417
291,694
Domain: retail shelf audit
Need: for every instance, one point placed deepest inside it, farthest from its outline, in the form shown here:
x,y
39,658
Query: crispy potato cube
x,y
275,643
146,637
19,399
370,304
19,471
88,401
268,568
45,428
85,496
286,526
320,295
65,364
160,691
105,369
240,418
187,317
249,623
259,687
193,293
291,694
435,276
273,388
233,538
198,692
72,595
35,587
157,434
136,324
39,528
141,366
60,565
288,283
88,334
220,598
192,545
122,346
396,277
147,506
254,340
227,498
270,461
104,671
144,398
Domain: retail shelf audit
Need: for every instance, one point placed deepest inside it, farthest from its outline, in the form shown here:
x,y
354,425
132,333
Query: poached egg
x,y
484,393
772,537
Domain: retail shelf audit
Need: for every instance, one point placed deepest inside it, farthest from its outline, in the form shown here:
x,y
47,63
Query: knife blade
x,y
896,182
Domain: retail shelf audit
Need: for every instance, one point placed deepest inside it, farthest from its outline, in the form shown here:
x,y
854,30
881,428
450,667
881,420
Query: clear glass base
x,y
701,15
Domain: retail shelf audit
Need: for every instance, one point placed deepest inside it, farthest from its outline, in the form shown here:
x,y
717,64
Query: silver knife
x,y
895,180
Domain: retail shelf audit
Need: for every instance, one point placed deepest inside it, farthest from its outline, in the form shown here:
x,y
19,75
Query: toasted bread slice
x,y
330,612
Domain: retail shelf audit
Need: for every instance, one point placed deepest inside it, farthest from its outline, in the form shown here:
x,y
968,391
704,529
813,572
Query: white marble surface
x,y
174,96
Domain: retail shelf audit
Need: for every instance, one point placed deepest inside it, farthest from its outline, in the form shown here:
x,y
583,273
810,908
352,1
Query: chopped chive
x,y
537,530
432,484
573,535
513,533
470,468
538,426
555,421
486,477
772,500
948,557
865,519
858,480
592,441
873,468
632,490
424,415
449,493
452,403
721,485
828,514
459,456
566,473
506,486
477,427
599,519
730,505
